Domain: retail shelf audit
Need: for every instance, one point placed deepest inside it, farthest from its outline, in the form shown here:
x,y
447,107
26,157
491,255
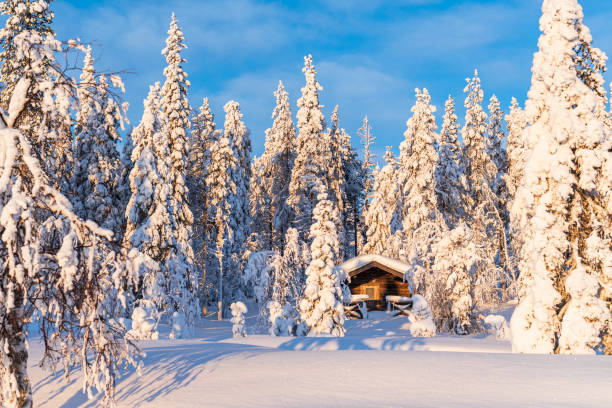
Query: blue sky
x,y
369,54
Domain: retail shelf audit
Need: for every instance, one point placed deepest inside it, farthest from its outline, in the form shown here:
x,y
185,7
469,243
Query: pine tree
x,y
97,183
559,206
451,291
517,153
421,221
367,141
293,275
486,222
147,230
353,171
380,213
335,179
450,171
494,147
238,135
222,191
313,155
499,158
272,174
517,156
202,137
321,307
182,282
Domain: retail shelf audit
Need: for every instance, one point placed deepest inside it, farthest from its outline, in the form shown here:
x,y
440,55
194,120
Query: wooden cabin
x,y
377,277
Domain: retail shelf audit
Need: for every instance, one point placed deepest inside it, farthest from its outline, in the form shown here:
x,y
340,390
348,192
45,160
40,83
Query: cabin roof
x,y
363,263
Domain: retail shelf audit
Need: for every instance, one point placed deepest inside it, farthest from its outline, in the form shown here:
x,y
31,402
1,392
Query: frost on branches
x,y
321,307
48,269
561,205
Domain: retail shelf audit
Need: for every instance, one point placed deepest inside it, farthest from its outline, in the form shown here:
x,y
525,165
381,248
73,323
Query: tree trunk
x,y
15,388
220,302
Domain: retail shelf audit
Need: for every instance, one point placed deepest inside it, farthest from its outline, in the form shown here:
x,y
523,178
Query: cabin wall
x,y
382,283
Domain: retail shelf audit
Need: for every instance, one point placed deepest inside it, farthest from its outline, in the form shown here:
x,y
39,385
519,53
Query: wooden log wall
x,y
382,282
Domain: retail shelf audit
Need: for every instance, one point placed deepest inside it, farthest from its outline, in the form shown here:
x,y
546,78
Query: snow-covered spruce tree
x,y
422,223
46,124
181,280
147,230
238,135
335,174
288,282
96,182
271,214
292,277
381,212
450,171
222,192
517,153
451,289
313,155
353,171
517,156
367,142
47,267
202,137
496,151
499,156
321,307
559,206
485,221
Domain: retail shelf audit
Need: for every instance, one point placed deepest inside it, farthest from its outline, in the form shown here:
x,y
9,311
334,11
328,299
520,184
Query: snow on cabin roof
x,y
363,260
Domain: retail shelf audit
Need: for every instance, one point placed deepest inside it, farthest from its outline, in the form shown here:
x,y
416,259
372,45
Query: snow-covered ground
x,y
378,364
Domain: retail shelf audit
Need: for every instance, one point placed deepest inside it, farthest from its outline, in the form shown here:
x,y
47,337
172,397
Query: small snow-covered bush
x,y
238,310
498,326
283,320
421,322
179,329
144,324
